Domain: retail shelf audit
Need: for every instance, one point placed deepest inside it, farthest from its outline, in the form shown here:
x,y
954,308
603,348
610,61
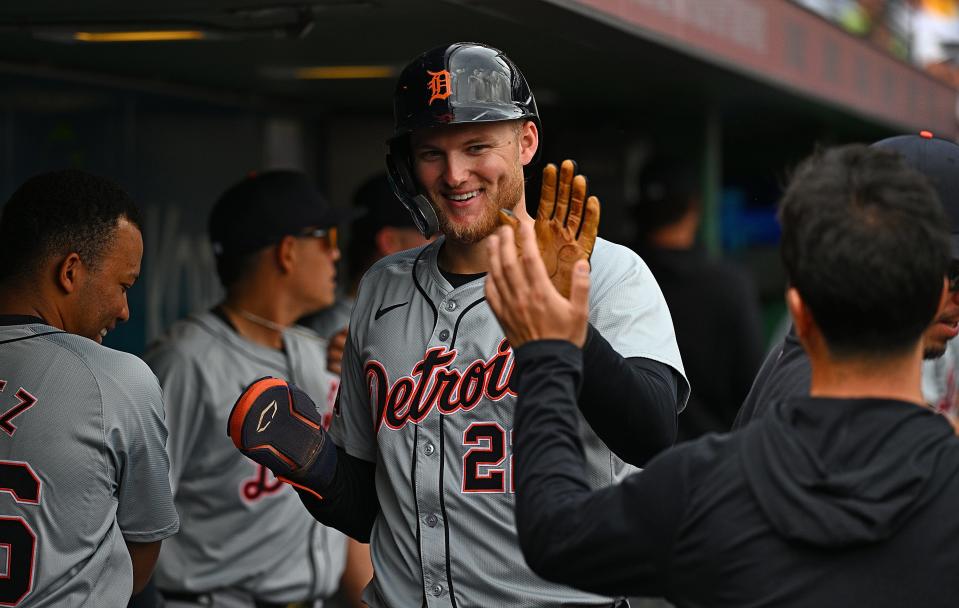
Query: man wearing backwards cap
x,y
274,239
785,372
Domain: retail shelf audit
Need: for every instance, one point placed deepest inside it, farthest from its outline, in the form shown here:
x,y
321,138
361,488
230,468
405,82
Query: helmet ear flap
x,y
400,175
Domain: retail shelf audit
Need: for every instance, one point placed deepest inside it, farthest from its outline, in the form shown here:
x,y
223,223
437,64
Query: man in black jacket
x,y
844,497
785,372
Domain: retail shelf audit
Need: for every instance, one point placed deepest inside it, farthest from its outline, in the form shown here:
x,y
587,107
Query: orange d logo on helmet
x,y
439,85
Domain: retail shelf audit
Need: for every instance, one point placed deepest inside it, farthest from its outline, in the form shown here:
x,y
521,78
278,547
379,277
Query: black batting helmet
x,y
464,82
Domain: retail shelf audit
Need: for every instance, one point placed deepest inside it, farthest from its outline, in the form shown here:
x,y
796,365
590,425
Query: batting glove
x,y
276,424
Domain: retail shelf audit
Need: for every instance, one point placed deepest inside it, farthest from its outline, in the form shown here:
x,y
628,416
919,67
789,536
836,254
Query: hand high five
x,y
524,299
566,223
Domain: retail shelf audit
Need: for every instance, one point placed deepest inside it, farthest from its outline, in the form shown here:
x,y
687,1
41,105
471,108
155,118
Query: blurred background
x,y
177,99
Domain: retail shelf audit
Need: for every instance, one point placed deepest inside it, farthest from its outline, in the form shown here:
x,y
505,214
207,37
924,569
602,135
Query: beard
x,y
507,196
933,351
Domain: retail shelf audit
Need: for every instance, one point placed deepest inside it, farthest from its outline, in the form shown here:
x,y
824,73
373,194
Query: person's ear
x,y
285,253
386,241
528,141
798,311
71,273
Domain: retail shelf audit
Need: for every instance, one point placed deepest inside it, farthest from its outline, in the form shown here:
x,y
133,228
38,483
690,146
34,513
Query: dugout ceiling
x,y
744,87
625,59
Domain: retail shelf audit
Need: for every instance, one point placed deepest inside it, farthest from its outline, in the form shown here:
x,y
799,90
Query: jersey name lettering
x,y
25,402
436,385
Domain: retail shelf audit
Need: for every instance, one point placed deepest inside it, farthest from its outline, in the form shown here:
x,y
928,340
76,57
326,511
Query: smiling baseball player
x,y
419,456
85,497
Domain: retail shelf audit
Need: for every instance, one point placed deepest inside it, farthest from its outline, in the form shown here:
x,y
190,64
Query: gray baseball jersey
x,y
82,468
939,381
425,396
242,528
333,319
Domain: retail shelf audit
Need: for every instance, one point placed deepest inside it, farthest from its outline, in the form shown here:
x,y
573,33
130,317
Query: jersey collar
x,y
21,320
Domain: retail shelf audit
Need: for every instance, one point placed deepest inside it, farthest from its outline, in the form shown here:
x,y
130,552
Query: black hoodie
x,y
822,502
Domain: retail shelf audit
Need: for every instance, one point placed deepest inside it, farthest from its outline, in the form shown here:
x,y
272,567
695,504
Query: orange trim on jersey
x,y
300,486
245,402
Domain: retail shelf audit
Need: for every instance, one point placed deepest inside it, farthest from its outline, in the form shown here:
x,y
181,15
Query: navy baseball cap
x,y
265,207
938,160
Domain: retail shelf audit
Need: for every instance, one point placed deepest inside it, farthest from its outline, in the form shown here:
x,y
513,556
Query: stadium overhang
x,y
787,47
334,56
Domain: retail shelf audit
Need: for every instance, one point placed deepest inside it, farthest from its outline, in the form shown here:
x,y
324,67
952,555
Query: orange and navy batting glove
x,y
276,424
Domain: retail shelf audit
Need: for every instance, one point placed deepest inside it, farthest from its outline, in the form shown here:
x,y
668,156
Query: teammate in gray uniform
x,y
382,228
421,454
245,536
84,492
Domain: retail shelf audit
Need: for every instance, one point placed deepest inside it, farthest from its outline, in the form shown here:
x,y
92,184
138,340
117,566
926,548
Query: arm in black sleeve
x,y
349,501
746,332
613,541
786,373
630,403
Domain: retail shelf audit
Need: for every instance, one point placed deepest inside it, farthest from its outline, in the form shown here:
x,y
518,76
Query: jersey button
x,y
436,590
444,335
429,449
431,520
451,305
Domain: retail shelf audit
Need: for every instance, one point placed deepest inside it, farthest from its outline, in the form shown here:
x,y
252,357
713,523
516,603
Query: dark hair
x,y
866,244
56,213
230,268
668,187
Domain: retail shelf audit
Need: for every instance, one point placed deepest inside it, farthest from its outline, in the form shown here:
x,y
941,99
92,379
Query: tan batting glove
x,y
524,299
566,223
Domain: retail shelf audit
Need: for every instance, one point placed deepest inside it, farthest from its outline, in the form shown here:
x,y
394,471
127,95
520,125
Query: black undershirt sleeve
x,y
614,541
630,403
349,502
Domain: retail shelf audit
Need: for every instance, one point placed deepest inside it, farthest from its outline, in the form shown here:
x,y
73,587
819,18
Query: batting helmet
x,y
938,160
464,82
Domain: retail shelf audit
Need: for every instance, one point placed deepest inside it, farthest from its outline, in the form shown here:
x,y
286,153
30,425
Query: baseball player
x,y
382,228
85,498
845,495
246,539
419,456
786,373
